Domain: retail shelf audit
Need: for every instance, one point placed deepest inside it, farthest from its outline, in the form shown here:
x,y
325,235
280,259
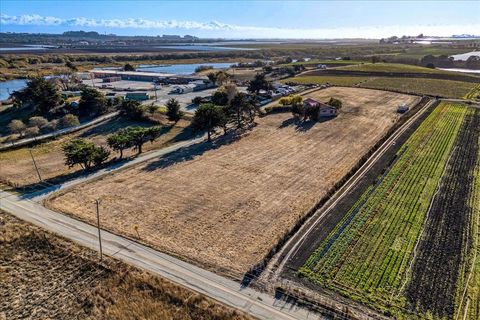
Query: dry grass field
x,y
17,169
46,277
225,207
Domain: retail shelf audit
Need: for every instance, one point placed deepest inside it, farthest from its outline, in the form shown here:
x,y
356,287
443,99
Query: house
x,y
402,108
324,110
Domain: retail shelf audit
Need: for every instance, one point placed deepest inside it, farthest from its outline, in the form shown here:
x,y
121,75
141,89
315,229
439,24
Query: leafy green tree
x,y
138,136
84,153
208,117
92,102
241,110
173,110
128,67
132,109
119,142
220,98
259,83
40,93
335,103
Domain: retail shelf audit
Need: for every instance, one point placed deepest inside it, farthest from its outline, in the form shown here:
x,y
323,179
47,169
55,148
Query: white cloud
x,y
237,31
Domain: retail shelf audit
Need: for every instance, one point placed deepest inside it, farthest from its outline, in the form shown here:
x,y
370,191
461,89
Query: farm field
x,y
225,207
434,87
333,80
46,277
407,244
326,62
17,169
392,67
474,93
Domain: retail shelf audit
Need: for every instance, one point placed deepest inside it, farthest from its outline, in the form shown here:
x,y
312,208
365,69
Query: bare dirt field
x,y
46,277
226,206
17,169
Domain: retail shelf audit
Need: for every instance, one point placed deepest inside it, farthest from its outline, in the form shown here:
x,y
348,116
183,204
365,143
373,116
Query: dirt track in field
x,y
225,207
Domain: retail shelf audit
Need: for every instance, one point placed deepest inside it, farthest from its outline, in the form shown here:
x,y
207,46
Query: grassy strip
x,y
364,258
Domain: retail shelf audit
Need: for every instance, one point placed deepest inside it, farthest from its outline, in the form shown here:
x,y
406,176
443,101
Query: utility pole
x,y
97,202
35,164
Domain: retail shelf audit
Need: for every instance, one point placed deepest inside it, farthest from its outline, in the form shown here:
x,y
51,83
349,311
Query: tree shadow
x,y
39,189
190,152
303,125
113,125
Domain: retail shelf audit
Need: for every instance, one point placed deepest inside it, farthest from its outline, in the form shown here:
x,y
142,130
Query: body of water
x,y
29,47
188,68
7,87
465,56
460,70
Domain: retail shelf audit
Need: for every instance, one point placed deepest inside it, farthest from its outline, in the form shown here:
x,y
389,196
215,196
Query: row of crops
x,y
474,93
442,263
369,255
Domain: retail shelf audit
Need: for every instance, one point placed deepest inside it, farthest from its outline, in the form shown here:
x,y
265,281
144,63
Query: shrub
x,y
32,131
17,127
37,122
68,120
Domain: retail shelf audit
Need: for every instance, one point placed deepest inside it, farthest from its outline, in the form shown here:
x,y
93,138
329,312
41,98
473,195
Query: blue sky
x,y
245,19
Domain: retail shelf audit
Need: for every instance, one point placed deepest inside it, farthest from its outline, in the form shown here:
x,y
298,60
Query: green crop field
x,y
368,255
434,87
326,62
474,93
333,80
392,67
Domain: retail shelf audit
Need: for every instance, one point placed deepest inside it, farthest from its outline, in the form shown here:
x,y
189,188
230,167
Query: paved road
x,y
259,305
60,132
